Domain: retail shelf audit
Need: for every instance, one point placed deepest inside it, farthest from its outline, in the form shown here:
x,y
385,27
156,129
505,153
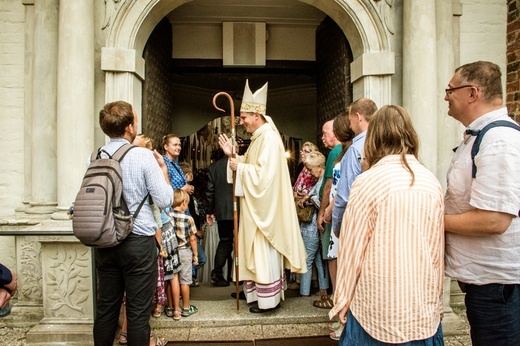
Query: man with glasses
x,y
481,223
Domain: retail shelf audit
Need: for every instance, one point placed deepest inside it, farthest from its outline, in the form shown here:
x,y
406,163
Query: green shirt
x,y
329,165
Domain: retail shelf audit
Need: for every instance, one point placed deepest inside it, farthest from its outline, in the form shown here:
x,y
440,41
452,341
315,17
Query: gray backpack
x,y
101,217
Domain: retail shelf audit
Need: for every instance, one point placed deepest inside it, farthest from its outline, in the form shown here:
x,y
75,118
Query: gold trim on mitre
x,y
255,103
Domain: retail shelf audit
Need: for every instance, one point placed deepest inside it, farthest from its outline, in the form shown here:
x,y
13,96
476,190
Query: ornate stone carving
x,y
111,9
68,282
31,271
384,7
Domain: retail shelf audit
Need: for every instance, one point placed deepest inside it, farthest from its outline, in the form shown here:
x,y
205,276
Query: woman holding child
x,y
315,164
172,149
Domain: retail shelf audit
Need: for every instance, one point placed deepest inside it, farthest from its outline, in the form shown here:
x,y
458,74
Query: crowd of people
x,y
381,236
396,235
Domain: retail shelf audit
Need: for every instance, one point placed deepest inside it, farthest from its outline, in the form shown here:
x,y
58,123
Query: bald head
x,y
327,135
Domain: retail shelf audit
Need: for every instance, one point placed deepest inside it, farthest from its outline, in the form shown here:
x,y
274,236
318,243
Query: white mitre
x,y
255,103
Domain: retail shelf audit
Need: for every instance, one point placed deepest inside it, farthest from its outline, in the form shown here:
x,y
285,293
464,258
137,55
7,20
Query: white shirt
x,y
492,258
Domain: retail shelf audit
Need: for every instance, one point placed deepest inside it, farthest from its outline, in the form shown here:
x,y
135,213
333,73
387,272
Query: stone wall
x,y
513,58
333,87
482,28
11,104
158,85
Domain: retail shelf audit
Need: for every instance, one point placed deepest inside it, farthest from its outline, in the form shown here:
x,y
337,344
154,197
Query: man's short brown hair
x,y
115,117
364,106
485,75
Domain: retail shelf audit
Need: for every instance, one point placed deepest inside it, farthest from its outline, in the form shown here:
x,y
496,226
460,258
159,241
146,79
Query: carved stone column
x,y
371,77
76,116
29,269
449,130
44,106
124,73
28,100
66,264
68,294
420,74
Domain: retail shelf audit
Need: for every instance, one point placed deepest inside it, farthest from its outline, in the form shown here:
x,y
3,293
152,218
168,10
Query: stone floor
x,y
217,316
16,337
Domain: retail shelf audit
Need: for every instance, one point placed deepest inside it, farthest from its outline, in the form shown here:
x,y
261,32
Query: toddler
x,y
185,230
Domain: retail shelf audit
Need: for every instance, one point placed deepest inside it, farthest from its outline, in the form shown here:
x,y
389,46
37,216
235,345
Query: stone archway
x,y
129,28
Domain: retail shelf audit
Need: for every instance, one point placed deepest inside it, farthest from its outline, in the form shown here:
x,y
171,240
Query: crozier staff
x,y
224,224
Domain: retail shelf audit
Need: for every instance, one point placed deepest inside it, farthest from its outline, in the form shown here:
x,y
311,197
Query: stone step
x,y
456,295
219,319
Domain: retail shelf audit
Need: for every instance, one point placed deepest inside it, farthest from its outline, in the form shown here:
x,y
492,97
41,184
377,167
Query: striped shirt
x,y
391,252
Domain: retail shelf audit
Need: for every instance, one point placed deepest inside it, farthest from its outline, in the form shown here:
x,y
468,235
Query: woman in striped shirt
x,y
391,249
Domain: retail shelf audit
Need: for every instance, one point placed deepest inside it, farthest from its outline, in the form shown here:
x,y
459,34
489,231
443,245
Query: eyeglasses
x,y
450,90
305,151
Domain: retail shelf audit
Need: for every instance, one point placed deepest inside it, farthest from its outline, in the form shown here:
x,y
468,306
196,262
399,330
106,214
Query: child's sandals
x,y
189,311
169,311
176,315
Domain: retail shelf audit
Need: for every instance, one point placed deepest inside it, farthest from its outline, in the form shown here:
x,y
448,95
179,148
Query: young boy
x,y
196,211
184,228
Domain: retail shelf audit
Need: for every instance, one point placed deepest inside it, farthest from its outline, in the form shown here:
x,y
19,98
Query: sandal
x,y
176,315
335,335
159,341
327,296
324,304
123,338
321,293
189,311
158,311
169,311
334,326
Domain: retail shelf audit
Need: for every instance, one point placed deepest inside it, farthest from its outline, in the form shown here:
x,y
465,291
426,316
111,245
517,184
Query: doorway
x,y
308,84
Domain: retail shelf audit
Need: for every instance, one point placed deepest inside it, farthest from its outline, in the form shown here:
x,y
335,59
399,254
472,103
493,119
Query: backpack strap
x,y
119,155
141,205
480,134
122,151
96,154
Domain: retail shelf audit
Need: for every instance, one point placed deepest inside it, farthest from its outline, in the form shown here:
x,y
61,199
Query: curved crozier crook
x,y
231,103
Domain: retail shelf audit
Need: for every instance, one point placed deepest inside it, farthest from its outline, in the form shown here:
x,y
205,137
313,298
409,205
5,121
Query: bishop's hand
x,y
225,144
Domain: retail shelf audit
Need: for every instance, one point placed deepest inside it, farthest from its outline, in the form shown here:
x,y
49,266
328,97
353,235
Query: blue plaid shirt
x,y
175,173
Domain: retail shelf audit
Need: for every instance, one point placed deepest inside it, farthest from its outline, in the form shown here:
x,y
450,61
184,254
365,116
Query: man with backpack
x,y
481,205
130,266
